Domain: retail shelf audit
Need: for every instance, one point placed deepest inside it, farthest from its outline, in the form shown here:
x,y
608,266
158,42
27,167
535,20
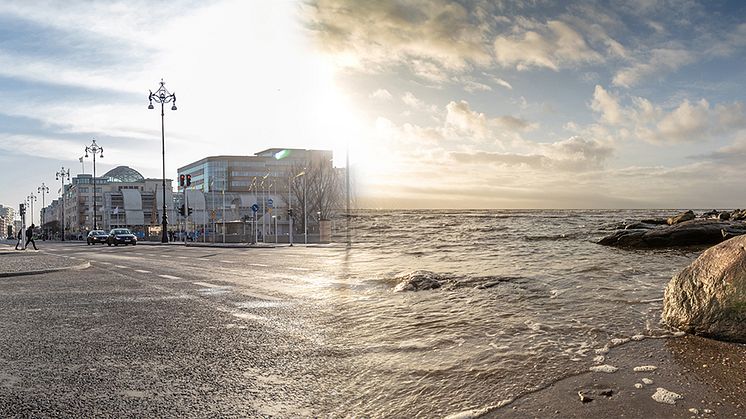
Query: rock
x,y
639,226
687,233
708,297
711,214
418,281
732,230
684,216
724,216
656,221
584,398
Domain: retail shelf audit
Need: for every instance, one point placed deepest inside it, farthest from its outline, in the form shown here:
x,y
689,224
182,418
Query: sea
x,y
528,298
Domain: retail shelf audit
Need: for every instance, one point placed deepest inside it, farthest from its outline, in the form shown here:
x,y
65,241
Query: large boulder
x,y
684,216
708,297
687,233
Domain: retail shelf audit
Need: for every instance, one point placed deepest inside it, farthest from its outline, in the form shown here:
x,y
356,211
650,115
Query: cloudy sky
x,y
444,104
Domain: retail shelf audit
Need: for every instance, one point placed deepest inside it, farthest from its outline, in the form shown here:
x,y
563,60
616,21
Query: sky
x,y
440,104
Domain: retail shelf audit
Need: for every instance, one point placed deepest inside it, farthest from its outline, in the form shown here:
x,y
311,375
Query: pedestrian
x,y
20,238
30,237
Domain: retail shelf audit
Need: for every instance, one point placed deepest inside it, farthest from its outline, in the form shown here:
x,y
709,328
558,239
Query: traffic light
x,y
189,211
181,180
290,212
181,209
22,209
188,180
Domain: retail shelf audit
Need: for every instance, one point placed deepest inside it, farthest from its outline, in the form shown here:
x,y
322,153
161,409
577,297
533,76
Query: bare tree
x,y
319,193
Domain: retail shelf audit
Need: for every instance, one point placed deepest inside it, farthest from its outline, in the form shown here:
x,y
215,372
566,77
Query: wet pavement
x,y
14,262
160,331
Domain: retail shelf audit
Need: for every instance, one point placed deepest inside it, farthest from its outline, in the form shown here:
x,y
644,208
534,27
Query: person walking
x,y
30,237
20,239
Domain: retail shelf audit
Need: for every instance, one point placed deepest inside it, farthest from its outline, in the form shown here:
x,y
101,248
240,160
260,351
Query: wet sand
x,y
709,375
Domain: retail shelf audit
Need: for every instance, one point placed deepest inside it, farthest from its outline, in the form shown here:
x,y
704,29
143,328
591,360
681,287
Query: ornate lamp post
x,y
94,149
30,200
61,177
163,96
43,190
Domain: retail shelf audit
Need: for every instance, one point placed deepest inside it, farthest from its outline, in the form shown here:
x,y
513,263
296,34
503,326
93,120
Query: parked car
x,y
119,236
97,236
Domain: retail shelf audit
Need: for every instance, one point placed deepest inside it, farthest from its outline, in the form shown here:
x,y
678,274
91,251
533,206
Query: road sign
x,y
255,207
270,203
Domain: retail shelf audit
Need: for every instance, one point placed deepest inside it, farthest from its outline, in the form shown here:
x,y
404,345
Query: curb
x,y
82,266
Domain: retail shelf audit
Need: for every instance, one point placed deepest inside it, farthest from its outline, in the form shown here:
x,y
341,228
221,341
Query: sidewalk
x,y
31,262
208,244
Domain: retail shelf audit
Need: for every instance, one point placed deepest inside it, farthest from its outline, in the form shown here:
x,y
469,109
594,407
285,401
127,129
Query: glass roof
x,y
124,174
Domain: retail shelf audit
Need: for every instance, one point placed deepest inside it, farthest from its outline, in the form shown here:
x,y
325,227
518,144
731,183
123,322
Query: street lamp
x,y
163,96
94,149
61,177
43,190
30,200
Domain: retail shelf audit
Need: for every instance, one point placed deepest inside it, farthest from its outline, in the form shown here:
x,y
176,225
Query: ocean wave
x,y
422,280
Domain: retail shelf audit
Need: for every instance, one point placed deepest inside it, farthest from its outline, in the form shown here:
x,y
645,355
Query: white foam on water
x,y
602,351
645,368
647,381
599,359
619,341
638,338
694,410
664,396
604,368
475,413
638,385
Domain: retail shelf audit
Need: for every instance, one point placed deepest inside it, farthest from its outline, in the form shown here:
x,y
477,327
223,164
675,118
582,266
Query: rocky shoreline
x,y
684,229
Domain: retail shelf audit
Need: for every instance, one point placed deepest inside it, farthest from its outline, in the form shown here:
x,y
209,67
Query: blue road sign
x,y
270,203
255,207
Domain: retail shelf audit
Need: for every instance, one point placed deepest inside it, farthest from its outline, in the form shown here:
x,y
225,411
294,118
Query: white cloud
x,y
381,94
554,45
411,100
460,115
607,105
688,122
433,38
574,154
660,62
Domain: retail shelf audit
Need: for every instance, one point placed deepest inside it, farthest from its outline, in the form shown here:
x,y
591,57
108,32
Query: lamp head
x,y
173,108
86,154
151,106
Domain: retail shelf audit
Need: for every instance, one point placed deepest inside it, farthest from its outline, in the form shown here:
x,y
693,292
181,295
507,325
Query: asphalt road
x,y
160,331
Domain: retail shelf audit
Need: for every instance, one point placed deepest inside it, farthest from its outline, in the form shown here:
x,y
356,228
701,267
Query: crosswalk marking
x,y
142,271
259,265
169,277
297,269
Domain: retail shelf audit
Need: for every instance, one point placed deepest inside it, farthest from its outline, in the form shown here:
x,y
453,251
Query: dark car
x,y
97,236
119,236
